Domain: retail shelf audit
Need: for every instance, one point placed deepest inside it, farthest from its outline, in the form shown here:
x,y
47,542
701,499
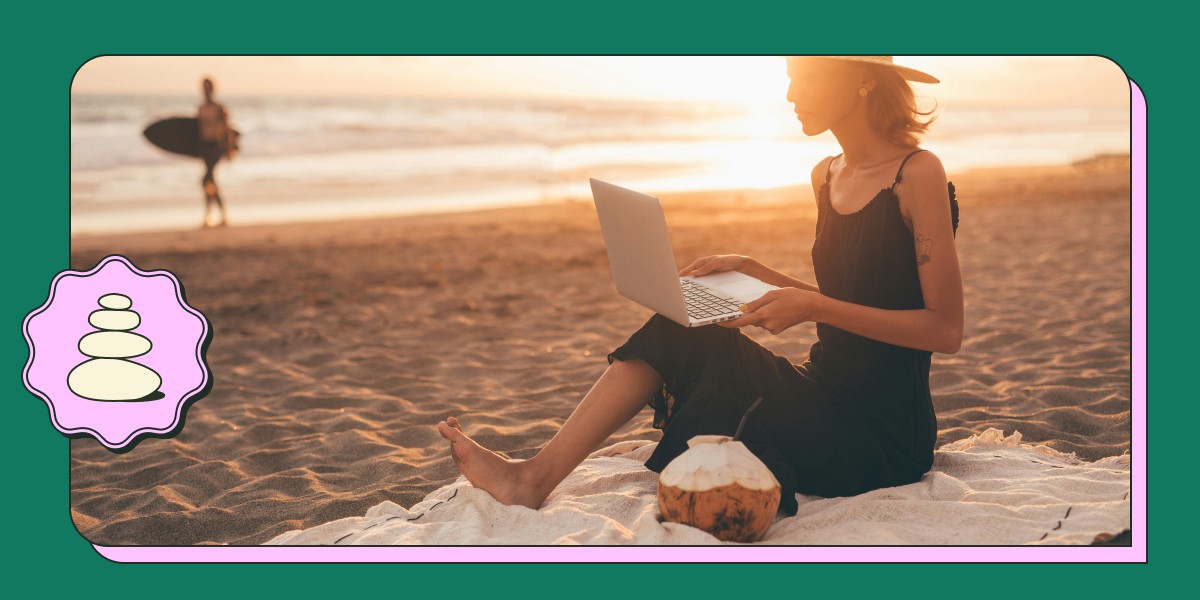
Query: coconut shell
x,y
719,486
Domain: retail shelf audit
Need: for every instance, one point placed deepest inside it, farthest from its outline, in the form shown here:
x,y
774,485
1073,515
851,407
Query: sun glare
x,y
744,79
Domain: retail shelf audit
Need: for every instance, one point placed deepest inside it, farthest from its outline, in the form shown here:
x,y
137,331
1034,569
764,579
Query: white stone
x,y
114,320
113,379
115,301
113,344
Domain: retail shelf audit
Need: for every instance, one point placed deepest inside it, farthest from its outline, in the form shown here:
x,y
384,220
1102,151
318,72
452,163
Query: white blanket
x,y
985,490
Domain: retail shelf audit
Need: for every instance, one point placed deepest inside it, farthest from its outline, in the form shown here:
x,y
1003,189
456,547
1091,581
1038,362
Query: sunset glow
x,y
1026,80
402,134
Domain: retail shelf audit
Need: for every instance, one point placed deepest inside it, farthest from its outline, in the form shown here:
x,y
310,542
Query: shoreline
x,y
1102,164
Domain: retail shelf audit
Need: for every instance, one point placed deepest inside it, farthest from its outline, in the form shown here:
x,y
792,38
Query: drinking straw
x,y
741,425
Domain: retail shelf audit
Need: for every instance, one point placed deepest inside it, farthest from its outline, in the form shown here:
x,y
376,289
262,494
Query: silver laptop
x,y
643,264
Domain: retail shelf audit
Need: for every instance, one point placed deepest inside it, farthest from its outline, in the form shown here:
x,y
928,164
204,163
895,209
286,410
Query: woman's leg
x,y
619,394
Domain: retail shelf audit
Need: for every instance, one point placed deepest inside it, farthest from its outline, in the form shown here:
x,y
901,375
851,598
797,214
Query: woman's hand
x,y
715,264
778,310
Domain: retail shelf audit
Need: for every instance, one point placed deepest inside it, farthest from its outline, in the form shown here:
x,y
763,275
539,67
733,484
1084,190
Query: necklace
x,y
844,166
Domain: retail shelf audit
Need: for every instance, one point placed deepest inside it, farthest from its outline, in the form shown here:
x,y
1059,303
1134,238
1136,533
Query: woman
x,y
857,415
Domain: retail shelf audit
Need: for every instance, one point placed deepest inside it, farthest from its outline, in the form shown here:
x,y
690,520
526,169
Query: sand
x,y
338,346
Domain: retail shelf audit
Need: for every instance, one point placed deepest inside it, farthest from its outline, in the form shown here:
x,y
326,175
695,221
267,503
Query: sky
x,y
1079,81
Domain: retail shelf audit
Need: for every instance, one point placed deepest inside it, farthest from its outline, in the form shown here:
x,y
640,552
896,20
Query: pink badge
x,y
116,353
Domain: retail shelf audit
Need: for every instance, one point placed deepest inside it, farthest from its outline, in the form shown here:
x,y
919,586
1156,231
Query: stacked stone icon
x,y
109,374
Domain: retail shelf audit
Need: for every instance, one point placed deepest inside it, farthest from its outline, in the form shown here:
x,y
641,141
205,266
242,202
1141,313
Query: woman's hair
x,y
892,108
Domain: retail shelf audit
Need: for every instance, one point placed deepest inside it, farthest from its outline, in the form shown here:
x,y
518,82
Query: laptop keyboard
x,y
703,304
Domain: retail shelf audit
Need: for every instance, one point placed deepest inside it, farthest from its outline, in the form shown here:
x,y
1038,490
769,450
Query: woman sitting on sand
x,y
857,414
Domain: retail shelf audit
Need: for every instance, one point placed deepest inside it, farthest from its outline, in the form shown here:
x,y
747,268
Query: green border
x,y
44,45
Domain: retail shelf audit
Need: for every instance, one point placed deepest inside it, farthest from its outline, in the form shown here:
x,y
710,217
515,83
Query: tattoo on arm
x,y
924,245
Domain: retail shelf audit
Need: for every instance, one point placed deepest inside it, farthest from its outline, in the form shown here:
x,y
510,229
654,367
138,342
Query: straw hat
x,y
908,73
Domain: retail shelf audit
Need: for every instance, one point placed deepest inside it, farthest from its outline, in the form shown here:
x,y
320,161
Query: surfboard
x,y
179,135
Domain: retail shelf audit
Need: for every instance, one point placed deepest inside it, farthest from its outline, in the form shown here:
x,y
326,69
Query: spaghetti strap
x,y
901,169
949,186
827,168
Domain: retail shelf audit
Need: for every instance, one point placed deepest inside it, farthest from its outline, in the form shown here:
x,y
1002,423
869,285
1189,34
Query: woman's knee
x,y
700,344
712,331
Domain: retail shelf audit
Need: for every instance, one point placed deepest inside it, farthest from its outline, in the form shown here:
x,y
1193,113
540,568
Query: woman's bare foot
x,y
509,482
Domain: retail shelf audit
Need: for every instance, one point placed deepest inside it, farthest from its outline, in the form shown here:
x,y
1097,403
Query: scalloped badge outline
x,y
138,432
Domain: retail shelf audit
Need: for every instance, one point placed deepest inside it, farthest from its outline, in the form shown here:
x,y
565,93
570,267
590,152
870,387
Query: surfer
x,y
215,143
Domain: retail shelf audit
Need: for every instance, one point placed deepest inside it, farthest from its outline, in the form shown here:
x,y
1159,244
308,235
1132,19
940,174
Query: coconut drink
x,y
719,486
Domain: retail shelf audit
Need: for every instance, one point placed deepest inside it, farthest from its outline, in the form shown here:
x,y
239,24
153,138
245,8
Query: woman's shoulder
x,y
924,164
923,184
818,176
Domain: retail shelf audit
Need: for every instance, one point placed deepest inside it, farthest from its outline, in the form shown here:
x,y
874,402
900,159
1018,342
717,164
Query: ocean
x,y
312,159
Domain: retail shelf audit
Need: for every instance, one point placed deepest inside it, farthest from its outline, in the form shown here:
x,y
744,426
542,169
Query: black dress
x,y
855,416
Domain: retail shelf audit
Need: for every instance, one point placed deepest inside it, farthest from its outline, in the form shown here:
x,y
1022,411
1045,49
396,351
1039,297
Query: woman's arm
x,y
922,328
925,202
762,272
750,266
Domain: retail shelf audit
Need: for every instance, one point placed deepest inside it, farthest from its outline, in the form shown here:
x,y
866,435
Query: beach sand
x,y
338,346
